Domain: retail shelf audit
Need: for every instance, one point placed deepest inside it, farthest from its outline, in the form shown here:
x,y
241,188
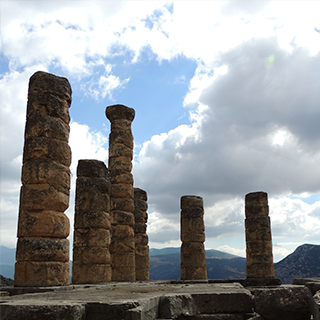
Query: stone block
x,y
91,255
254,247
142,250
192,248
192,213
122,231
43,197
120,150
47,311
92,169
120,163
123,259
192,230
140,194
141,239
285,303
260,270
121,125
258,229
142,261
140,216
121,217
48,149
46,223
122,245
171,306
191,202
121,191
91,273
121,177
123,273
192,260
46,172
87,219
260,258
124,137
41,249
119,112
256,198
122,204
256,211
41,274
140,227
142,274
92,238
41,125
140,205
229,299
94,185
193,273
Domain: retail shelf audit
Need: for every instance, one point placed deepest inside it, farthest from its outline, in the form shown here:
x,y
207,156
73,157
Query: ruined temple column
x,y
258,236
42,250
122,246
193,260
140,234
91,256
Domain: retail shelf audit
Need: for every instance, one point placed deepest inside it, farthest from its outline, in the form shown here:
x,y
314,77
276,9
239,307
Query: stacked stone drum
x,y
140,234
258,236
91,256
122,246
42,249
193,260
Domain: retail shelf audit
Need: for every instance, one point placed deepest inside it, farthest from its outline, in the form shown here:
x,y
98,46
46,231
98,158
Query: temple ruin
x,y
110,239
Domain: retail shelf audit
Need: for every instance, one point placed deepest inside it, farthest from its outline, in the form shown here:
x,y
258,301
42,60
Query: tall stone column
x,y
140,234
193,260
91,256
122,246
258,236
42,250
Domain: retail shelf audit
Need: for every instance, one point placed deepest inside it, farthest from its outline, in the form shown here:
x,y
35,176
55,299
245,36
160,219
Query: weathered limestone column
x,y
258,236
42,249
91,256
193,260
140,234
122,246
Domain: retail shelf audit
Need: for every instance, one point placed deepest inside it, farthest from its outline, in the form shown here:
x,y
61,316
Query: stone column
x,y
140,234
258,236
91,256
193,260
42,250
122,246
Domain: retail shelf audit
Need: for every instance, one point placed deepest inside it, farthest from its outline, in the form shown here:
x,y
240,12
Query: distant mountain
x,y
220,265
304,262
5,282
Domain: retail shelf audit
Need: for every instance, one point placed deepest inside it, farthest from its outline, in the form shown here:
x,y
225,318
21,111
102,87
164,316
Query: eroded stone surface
x,y
92,236
193,261
42,250
258,236
122,247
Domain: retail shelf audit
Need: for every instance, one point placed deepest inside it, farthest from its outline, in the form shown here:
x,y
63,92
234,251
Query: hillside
x,y
304,262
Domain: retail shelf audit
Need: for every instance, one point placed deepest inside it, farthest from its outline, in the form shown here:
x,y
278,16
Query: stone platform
x,y
149,300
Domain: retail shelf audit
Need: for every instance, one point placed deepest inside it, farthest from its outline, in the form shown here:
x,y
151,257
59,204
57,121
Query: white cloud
x,y
237,252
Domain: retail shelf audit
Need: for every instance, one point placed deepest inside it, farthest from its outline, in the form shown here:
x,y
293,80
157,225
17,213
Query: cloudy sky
x,y
226,95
